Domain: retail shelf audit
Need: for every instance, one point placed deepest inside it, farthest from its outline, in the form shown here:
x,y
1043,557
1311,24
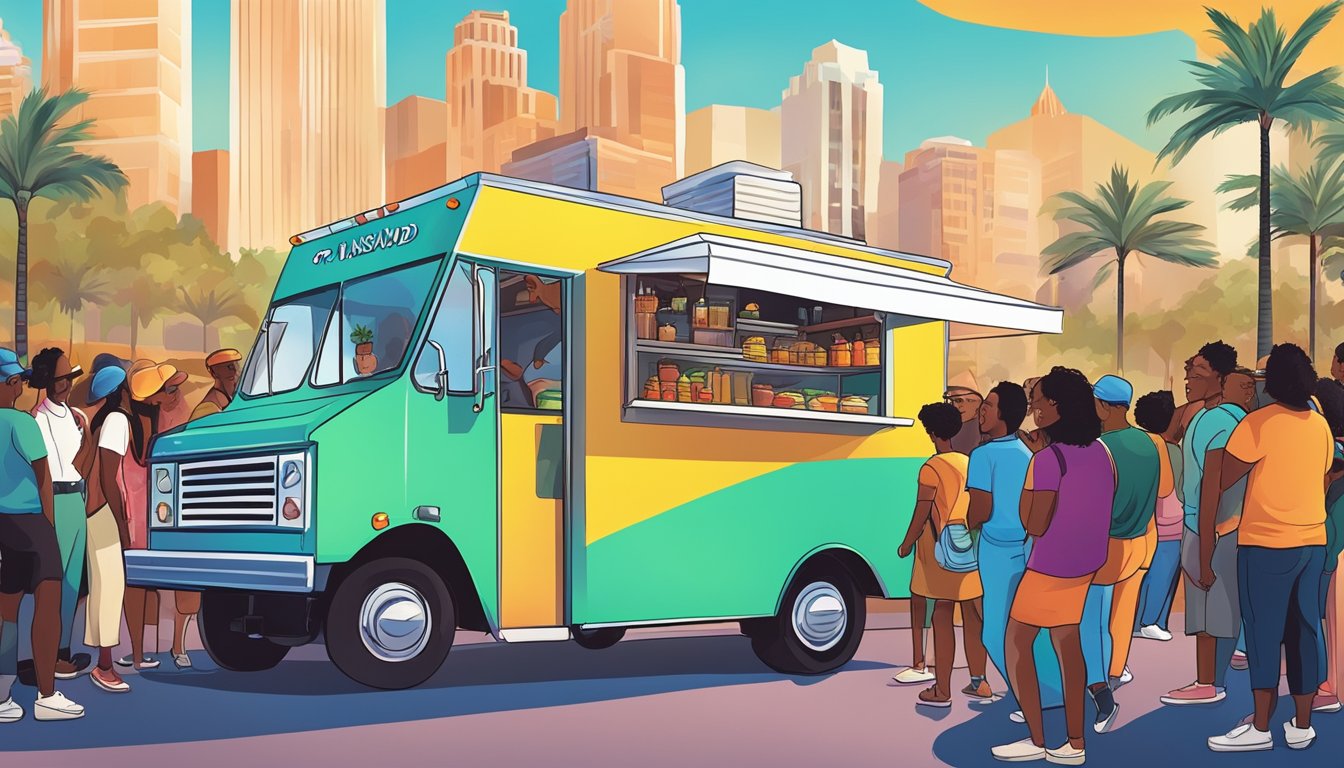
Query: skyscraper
x,y
621,76
491,111
135,60
884,224
719,133
306,92
417,146
16,75
831,141
210,192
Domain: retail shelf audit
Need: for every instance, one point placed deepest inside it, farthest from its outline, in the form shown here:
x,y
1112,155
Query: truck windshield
x,y
287,341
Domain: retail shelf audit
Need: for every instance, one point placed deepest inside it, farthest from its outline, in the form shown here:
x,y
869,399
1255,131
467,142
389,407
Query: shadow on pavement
x,y
209,703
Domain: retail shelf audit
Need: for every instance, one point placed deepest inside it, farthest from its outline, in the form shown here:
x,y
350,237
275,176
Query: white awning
x,y
838,280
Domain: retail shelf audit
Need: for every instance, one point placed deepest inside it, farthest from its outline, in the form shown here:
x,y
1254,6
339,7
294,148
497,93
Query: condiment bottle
x,y
701,317
872,349
858,355
840,352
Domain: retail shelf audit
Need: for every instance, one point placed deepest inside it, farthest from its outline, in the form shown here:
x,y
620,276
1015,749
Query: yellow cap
x,y
222,356
146,381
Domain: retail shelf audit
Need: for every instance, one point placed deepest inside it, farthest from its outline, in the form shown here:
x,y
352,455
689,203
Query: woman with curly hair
x,y
1066,509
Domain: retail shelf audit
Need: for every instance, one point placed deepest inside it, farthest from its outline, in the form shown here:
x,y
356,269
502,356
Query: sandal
x,y
929,698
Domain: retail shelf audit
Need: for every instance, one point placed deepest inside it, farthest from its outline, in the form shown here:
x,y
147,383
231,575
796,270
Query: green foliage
x,y
1310,204
361,334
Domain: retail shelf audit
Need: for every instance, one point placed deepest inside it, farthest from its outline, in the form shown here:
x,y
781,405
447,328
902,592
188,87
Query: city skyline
x,y
967,81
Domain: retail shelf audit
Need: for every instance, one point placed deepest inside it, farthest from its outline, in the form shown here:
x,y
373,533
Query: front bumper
x,y
220,570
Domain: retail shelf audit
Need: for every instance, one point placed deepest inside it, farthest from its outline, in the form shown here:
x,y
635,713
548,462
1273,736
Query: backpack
x,y
955,550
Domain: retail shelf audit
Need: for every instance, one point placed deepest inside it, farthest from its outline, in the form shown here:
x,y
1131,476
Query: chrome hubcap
x,y
819,616
394,622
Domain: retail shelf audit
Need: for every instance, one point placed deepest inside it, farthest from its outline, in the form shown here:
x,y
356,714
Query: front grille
x,y
229,492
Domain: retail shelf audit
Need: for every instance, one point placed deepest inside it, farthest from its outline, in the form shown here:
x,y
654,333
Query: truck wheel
x,y
231,650
597,639
819,624
391,623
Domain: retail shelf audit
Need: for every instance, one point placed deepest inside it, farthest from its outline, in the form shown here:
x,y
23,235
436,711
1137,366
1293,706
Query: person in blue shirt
x,y
995,478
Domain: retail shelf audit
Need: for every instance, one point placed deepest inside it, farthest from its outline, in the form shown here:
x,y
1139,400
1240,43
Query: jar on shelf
x,y
700,317
667,332
646,302
840,352
720,314
753,348
872,351
780,354
652,391
857,354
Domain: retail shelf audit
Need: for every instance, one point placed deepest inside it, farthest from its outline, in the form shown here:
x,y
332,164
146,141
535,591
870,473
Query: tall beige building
x,y
491,111
306,95
884,223
210,192
831,138
16,75
135,60
417,145
720,133
621,77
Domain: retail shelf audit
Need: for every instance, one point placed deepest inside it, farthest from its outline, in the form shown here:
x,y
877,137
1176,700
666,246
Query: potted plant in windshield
x,y
365,362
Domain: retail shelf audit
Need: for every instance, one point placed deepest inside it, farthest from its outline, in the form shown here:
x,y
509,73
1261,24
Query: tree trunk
x,y
205,328
1120,313
1311,311
70,348
21,279
135,329
1264,330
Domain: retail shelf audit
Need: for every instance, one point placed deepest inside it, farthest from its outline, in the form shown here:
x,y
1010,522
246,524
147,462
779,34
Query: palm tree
x,y
209,306
1248,83
1310,206
71,285
37,159
1120,221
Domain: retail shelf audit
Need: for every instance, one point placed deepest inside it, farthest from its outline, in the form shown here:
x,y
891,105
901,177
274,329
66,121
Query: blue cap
x,y
104,359
9,365
1113,390
104,381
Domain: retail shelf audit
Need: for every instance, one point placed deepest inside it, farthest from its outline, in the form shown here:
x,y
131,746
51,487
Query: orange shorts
x,y
1050,601
1124,558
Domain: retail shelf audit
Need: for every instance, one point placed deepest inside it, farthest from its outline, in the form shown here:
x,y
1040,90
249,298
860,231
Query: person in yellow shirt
x,y
223,367
1285,450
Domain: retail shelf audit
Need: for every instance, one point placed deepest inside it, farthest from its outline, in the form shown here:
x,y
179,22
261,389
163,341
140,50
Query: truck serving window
x,y
286,342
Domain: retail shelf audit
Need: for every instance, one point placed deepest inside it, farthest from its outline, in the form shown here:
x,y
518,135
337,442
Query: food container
x,y
667,332
712,337
668,371
720,314
854,404
753,348
840,353
750,312
678,304
646,324
668,391
700,317
550,400
646,302
807,353
705,396
828,403
790,400
780,354
872,351
762,395
684,389
742,388
651,389
857,354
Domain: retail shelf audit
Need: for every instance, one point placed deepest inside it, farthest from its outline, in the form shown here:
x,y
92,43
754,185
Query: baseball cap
x,y
104,359
1113,390
222,356
105,380
9,365
149,379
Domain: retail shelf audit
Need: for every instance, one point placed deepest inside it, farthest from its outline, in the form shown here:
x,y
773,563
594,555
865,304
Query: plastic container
x,y
712,336
668,371
720,314
700,317
550,400
667,332
646,325
762,395
742,388
841,355
872,351
646,302
857,354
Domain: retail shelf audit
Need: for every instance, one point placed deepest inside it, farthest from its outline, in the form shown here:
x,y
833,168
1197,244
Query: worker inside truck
x,y
531,332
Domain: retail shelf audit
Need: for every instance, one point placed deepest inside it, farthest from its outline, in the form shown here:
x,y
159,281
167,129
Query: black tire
x,y
778,644
231,650
351,652
597,639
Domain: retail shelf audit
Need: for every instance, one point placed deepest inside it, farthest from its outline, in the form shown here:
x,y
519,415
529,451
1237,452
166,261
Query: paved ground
x,y
659,698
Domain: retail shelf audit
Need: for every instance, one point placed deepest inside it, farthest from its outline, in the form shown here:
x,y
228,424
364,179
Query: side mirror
x,y
440,378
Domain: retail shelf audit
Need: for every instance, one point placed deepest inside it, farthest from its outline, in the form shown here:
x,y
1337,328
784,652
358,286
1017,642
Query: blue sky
x,y
941,76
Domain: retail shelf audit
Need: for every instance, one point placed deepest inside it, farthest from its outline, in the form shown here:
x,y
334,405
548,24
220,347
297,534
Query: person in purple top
x,y
1066,509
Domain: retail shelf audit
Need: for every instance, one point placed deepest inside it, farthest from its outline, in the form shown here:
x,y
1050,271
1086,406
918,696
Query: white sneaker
x,y
10,711
1018,752
1017,717
1126,676
912,676
1243,738
1066,755
1154,632
56,707
1298,738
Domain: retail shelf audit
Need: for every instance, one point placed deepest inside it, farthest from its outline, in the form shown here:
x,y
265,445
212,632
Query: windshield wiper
x,y
266,340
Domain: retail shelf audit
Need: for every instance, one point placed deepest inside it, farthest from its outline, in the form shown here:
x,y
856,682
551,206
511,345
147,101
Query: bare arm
x,y
1211,488
982,504
923,511
1037,510
88,448
107,480
42,472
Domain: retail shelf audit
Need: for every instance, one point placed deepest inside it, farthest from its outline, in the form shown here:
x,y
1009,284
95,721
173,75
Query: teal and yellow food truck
x,y
546,414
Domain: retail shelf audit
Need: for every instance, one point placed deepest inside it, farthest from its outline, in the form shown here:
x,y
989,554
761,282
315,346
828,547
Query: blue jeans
x,y
1001,568
1159,586
1281,608
1096,633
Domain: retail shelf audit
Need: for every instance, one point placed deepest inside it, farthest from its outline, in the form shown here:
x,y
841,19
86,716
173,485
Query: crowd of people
x,y
1062,543
73,500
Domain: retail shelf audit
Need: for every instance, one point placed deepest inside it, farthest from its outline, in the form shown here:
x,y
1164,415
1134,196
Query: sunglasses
x,y
171,389
955,399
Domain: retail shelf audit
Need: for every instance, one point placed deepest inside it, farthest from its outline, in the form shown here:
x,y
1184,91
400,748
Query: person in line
x,y
1143,474
1284,451
967,402
155,404
1331,398
941,500
69,453
223,367
995,478
1066,509
109,527
1337,365
1155,412
1213,617
30,556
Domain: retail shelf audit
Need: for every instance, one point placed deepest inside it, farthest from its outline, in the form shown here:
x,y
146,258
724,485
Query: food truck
x,y
550,414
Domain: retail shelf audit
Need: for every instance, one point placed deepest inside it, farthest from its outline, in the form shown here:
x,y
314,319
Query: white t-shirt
x,y
62,433
116,433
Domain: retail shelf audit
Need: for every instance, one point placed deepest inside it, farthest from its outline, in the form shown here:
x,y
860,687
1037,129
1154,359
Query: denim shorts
x,y
1281,605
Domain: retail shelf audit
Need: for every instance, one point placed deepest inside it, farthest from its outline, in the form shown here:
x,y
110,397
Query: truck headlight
x,y
163,512
291,474
292,495
163,480
163,495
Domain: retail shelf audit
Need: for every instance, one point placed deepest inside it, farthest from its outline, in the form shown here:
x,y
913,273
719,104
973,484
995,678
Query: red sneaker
x,y
109,680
